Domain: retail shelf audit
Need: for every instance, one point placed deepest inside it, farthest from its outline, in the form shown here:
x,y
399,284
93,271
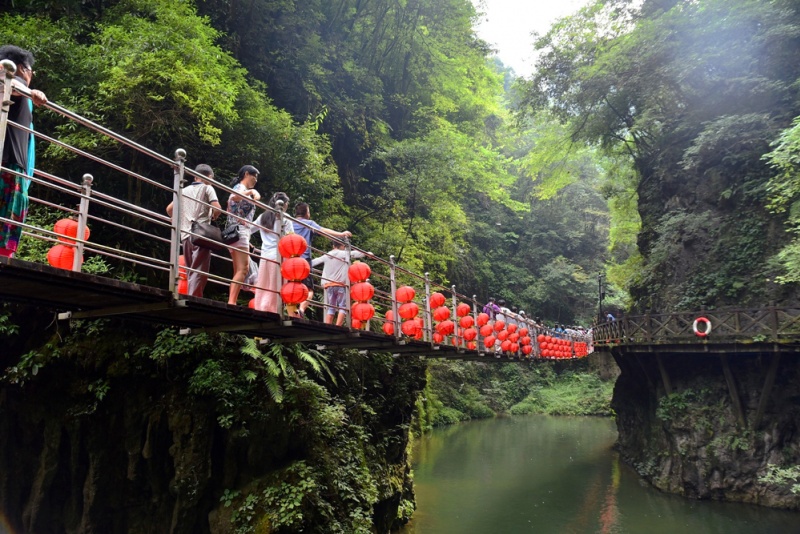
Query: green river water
x,y
556,475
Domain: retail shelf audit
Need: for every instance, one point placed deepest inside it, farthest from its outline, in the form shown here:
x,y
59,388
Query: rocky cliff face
x,y
118,427
692,442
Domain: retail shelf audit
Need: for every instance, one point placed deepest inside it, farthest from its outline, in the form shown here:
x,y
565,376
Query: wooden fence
x,y
770,324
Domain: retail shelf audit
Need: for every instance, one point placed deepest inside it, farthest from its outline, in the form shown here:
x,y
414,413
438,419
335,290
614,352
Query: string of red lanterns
x,y
294,268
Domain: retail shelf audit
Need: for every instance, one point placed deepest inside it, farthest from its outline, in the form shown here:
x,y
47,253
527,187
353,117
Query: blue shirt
x,y
306,230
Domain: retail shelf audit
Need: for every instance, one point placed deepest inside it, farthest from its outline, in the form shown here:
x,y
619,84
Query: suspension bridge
x,y
139,275
146,285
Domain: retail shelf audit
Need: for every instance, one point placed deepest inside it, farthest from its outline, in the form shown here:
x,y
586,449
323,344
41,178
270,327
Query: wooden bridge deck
x,y
84,295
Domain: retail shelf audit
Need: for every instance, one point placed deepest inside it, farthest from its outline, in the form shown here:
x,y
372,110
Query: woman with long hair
x,y
268,284
241,211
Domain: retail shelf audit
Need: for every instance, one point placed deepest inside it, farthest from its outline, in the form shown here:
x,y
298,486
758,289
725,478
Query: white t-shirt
x,y
191,209
336,266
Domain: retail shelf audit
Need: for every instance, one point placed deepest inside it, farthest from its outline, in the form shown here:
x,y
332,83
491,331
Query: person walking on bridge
x,y
272,229
19,152
334,280
491,309
305,227
242,211
195,202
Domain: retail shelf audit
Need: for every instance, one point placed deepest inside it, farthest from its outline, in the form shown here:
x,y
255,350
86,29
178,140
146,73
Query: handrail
x,y
137,228
739,325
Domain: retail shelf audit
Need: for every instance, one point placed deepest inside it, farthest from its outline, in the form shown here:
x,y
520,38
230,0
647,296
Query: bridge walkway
x,y
125,237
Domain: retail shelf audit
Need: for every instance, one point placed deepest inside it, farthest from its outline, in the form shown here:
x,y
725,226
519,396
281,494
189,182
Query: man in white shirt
x,y
334,280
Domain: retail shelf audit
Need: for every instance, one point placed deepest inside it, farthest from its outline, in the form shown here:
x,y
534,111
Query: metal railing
x,y
138,242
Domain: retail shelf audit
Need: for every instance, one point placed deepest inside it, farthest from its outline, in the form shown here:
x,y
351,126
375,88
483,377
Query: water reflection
x,y
556,474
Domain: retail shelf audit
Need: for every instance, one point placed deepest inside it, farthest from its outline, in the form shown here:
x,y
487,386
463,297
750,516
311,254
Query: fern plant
x,y
276,361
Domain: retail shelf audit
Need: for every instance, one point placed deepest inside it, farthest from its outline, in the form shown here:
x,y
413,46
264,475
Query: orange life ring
x,y
705,332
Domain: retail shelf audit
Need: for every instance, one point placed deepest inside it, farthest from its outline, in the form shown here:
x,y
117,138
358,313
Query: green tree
x,y
691,93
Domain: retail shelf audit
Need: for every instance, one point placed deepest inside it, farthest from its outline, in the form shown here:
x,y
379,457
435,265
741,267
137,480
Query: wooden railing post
x,y
773,312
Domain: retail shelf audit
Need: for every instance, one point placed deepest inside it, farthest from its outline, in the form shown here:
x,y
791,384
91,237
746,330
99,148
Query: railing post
x,y
455,319
279,277
428,312
475,318
393,289
83,217
348,258
175,236
9,69
773,313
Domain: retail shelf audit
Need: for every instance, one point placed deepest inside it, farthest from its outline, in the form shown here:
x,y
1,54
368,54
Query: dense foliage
x,y
323,455
458,392
388,118
688,96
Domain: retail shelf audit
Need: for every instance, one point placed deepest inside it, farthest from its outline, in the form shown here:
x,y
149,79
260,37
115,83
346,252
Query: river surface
x,y
557,475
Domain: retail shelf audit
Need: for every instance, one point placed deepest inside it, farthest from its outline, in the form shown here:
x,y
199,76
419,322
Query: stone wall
x,y
692,441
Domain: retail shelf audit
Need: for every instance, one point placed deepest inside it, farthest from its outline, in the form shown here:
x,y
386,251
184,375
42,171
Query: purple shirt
x,y
307,232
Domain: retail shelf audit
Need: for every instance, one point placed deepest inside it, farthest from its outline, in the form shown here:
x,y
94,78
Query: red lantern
x,y
466,321
499,325
514,347
437,299
442,313
540,338
362,292
483,318
486,330
527,349
388,329
489,342
463,309
526,340
355,323
252,304
513,337
437,337
470,334
389,315
472,345
295,269
61,256
292,245
523,332
409,328
502,335
69,228
294,292
512,328
363,311
505,346
445,327
358,272
405,294
409,310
